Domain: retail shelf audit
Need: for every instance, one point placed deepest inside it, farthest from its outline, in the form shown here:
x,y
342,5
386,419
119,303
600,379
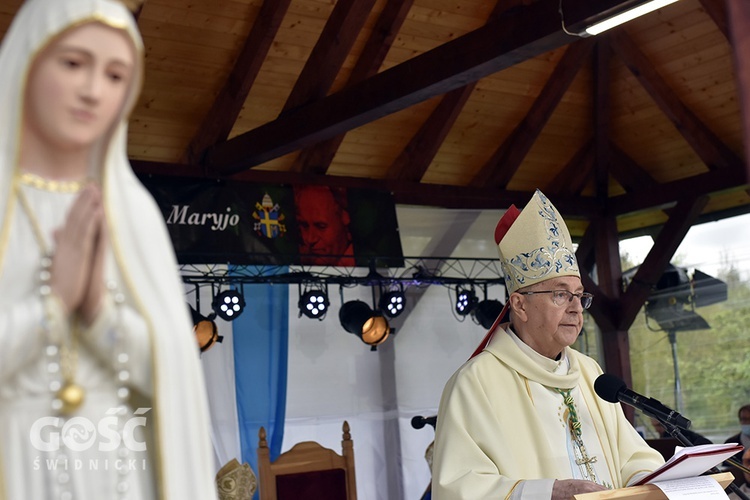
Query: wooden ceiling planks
x,y
221,154
194,48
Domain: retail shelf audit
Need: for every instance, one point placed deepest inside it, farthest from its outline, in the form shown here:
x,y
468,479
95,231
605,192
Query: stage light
x,y
205,330
673,301
357,318
228,304
487,312
466,300
313,304
392,303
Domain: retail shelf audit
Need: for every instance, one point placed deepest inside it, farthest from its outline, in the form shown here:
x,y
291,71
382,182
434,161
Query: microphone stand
x,y
676,433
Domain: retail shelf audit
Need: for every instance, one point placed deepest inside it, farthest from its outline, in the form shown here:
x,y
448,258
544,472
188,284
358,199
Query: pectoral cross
x,y
586,461
583,460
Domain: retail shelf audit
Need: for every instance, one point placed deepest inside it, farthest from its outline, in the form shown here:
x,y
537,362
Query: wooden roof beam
x,y
671,235
415,193
665,194
330,51
416,157
218,123
409,193
717,10
631,176
138,10
504,163
519,34
573,177
714,153
317,158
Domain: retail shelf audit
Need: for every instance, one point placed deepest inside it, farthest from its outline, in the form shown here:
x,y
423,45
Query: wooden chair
x,y
307,471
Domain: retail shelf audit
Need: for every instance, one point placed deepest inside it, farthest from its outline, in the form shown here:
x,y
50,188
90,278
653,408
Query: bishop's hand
x,y
564,489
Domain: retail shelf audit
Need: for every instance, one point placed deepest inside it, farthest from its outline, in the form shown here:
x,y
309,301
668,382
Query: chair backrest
x,y
307,471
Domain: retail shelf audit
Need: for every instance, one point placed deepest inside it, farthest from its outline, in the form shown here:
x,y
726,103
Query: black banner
x,y
245,223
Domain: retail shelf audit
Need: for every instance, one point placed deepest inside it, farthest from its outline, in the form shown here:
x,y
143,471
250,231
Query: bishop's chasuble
x,y
511,421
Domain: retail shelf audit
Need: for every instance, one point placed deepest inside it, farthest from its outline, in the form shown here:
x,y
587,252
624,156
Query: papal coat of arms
x,y
268,218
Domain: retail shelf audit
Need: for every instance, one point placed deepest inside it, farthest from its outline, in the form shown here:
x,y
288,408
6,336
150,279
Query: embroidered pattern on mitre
x,y
538,246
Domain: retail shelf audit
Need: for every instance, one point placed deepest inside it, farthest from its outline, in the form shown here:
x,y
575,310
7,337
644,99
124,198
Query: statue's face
x,y
77,86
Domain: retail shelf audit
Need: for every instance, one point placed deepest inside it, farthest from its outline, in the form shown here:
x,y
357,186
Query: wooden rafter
x,y
138,10
648,274
506,160
317,158
416,157
631,176
639,186
520,34
717,10
573,177
714,153
665,194
218,123
413,161
330,51
411,193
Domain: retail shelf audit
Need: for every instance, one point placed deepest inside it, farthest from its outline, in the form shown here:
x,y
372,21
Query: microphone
x,y
418,422
612,389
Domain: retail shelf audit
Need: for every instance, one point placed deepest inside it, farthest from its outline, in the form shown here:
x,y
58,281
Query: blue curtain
x,y
261,345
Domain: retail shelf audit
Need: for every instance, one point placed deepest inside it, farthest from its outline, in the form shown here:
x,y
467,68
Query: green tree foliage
x,y
714,364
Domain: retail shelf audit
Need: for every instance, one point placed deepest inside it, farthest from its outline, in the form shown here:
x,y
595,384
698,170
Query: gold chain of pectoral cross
x,y
574,425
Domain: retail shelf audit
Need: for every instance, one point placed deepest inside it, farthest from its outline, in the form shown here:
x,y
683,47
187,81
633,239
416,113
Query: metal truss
x,y
416,271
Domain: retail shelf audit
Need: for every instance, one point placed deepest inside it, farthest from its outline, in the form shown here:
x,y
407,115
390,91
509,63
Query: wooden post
x,y
739,19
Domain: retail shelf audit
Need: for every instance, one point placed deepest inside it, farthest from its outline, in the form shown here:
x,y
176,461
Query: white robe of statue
x,y
39,468
142,339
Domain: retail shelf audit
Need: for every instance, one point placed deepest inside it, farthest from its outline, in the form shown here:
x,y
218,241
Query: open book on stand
x,y
692,461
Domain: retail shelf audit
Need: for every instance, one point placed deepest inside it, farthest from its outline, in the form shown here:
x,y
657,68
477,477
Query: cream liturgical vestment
x,y
508,427
142,430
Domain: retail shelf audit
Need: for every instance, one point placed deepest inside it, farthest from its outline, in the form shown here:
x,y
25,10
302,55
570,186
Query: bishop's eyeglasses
x,y
561,297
